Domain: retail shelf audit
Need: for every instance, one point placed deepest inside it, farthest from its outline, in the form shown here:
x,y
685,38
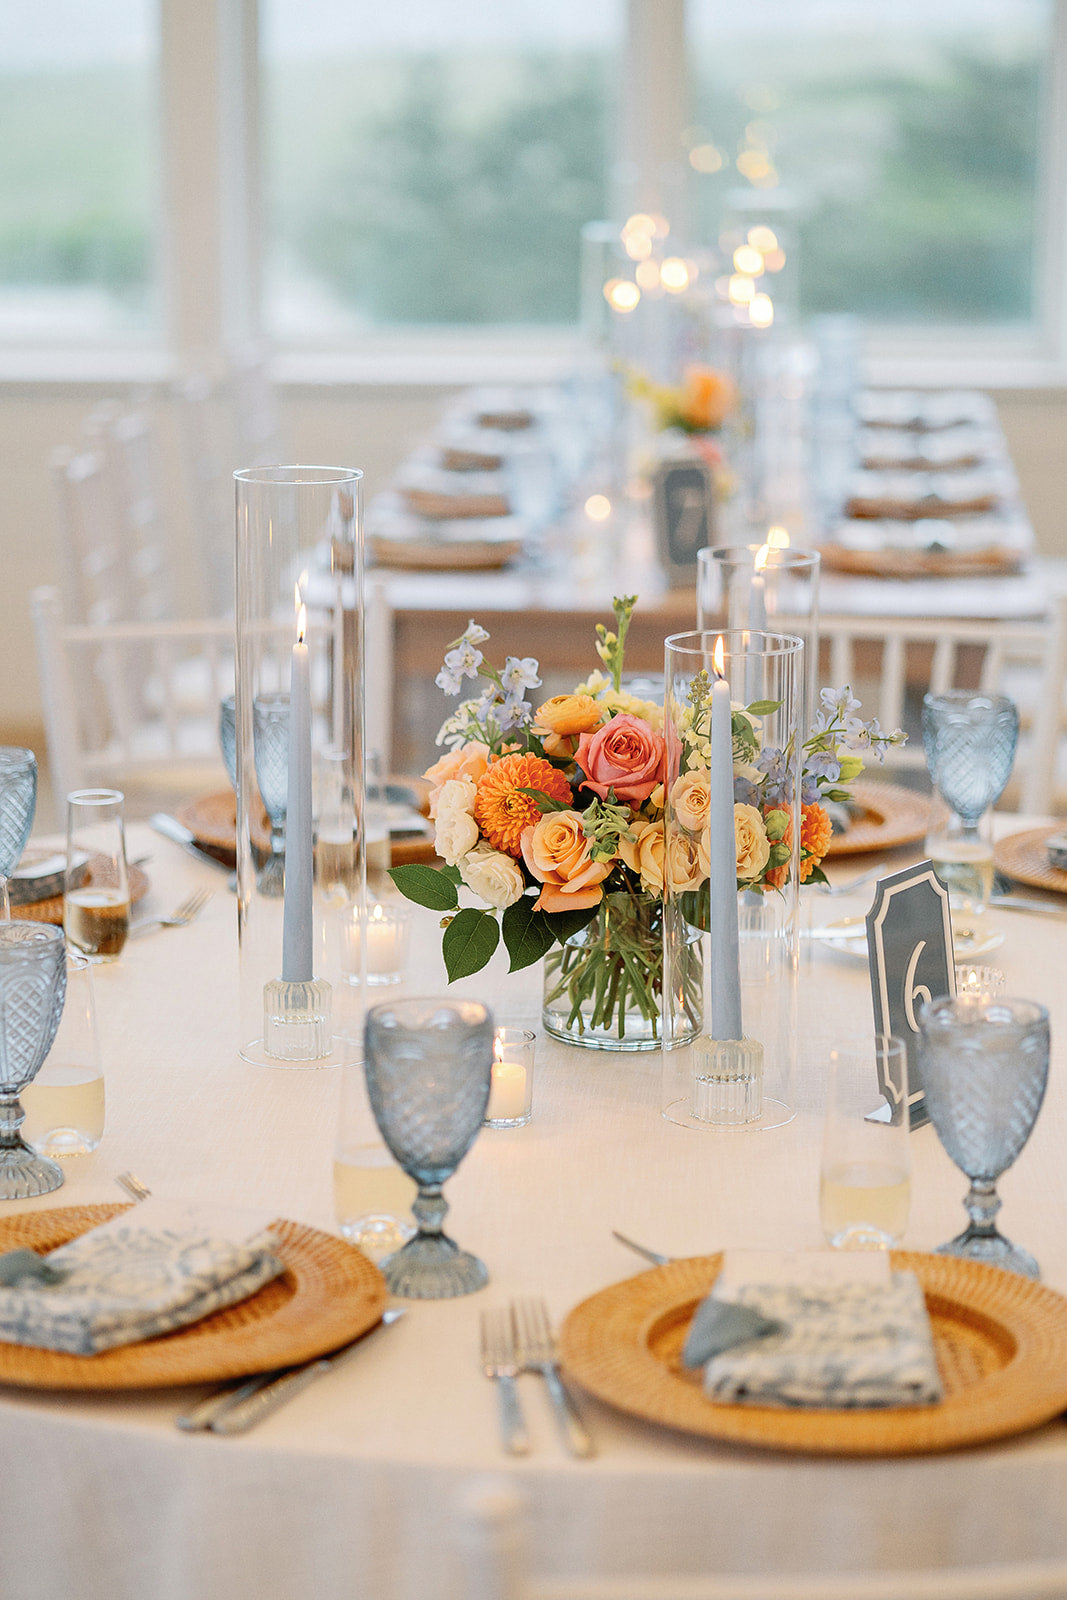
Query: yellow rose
x,y
691,799
557,853
687,870
753,846
645,854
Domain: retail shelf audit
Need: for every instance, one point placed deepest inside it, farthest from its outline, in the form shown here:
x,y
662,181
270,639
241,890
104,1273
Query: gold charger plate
x,y
1001,1343
993,561
212,821
892,815
329,1293
51,909
1022,856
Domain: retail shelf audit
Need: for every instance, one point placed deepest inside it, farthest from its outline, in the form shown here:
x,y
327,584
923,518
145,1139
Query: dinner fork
x,y
132,1185
180,917
500,1363
537,1353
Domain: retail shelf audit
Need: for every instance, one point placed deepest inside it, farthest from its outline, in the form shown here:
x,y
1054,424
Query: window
x,y
79,163
429,163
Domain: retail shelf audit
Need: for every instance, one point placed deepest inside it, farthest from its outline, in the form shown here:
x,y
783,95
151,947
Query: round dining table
x,y
360,1486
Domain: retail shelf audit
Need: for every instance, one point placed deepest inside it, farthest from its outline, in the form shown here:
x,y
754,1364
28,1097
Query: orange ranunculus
x,y
557,852
625,755
816,831
502,811
709,397
471,760
560,720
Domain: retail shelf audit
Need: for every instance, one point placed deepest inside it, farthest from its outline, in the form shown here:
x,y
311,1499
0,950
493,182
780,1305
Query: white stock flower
x,y
492,875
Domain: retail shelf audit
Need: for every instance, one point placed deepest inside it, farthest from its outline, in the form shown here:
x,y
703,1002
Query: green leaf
x,y
468,943
567,923
546,802
763,708
426,886
528,934
816,875
451,872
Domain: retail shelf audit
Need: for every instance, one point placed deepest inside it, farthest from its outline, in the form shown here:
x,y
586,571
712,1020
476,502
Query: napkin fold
x,y
127,1280
837,1345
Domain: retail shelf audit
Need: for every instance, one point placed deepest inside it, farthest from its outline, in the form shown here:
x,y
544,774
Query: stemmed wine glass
x,y
33,986
969,740
428,1064
270,733
983,1064
18,802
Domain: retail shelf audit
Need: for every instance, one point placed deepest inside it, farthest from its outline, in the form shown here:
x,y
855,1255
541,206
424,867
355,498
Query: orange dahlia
x,y
502,811
816,831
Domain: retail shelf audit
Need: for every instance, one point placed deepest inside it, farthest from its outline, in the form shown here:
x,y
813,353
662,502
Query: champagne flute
x,y
18,802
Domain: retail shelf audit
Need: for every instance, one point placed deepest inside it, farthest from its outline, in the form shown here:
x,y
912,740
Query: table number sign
x,y
683,512
909,947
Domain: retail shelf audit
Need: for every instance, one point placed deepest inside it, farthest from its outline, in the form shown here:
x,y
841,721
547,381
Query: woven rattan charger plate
x,y
329,1293
1022,856
1001,1343
892,815
212,821
51,910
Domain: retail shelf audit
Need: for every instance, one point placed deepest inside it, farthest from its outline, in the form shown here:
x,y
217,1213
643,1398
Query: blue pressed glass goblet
x,y
33,985
969,740
428,1064
270,745
983,1065
18,802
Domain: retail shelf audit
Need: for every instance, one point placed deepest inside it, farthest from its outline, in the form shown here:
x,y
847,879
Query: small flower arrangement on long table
x,y
554,817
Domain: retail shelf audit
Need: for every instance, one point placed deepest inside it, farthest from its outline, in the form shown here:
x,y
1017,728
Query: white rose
x,y
455,830
492,875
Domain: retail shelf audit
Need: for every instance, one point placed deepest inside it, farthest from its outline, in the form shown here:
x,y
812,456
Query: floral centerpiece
x,y
696,407
554,817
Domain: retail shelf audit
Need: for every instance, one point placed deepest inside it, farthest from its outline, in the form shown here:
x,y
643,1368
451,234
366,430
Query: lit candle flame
x,y
498,1048
761,556
301,622
720,658
777,538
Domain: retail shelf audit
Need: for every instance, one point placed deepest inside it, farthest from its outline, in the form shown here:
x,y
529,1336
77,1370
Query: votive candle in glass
x,y
511,1086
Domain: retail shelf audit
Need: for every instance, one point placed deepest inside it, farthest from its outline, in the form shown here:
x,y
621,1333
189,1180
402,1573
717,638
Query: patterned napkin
x,y
817,1344
145,1272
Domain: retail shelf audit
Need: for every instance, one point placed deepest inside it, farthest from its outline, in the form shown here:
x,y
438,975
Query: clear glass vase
x,y
603,988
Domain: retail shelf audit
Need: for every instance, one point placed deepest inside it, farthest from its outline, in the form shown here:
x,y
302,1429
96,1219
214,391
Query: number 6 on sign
x,y
909,946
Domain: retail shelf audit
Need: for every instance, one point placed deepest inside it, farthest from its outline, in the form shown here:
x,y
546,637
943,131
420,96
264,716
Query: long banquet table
x,y
354,1487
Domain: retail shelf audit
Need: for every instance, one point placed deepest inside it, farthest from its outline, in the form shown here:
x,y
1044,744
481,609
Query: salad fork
x,y
180,917
500,1363
537,1353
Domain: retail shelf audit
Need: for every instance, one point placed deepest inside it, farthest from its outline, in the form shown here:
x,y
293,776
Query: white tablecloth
x,y
351,1490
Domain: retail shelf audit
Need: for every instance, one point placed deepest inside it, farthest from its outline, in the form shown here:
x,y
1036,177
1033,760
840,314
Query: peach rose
x,y
753,846
557,852
645,854
691,799
624,755
684,864
560,720
470,760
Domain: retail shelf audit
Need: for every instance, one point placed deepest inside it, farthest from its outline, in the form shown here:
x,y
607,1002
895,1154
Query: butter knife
x,y
179,834
236,1409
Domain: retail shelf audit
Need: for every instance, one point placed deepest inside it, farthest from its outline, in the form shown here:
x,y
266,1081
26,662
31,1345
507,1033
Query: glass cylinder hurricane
x,y
764,586
299,693
731,875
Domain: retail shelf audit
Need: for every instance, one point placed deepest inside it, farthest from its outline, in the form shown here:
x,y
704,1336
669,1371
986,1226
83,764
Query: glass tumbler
x,y
865,1170
64,1104
96,900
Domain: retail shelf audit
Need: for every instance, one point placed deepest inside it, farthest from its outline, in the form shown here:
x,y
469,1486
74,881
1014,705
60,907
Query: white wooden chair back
x,y
128,442
891,662
92,554
207,472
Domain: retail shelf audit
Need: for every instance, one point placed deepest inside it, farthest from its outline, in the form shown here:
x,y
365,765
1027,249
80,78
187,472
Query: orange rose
x,y
708,397
560,720
471,760
557,852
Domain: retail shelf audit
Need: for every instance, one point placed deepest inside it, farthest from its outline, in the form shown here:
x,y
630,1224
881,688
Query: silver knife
x,y
179,834
237,1410
1020,902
